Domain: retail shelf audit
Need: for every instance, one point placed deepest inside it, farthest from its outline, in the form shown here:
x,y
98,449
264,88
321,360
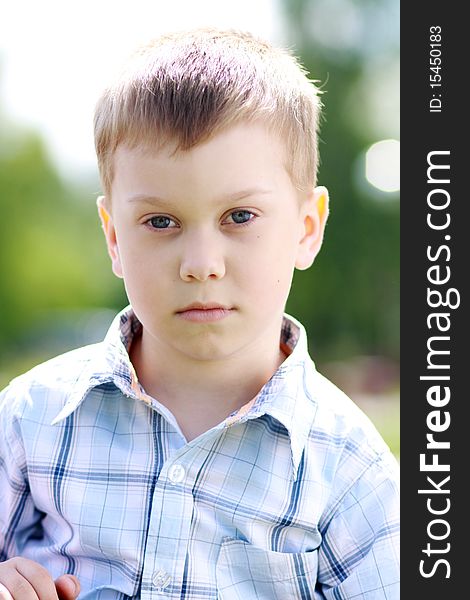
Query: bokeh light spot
x,y
383,165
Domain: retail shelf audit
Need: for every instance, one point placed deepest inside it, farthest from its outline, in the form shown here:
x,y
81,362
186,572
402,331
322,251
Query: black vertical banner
x,y
435,254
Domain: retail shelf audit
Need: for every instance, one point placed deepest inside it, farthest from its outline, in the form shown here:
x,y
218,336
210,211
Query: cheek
x,y
140,270
138,255
133,266
268,275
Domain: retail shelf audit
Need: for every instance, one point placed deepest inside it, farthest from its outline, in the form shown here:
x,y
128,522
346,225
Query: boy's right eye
x,y
161,222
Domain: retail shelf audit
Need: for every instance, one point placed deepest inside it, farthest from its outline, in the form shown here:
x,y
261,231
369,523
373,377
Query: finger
x,y
4,593
38,579
15,587
67,586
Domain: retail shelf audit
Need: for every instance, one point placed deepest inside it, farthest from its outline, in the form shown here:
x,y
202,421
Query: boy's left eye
x,y
241,216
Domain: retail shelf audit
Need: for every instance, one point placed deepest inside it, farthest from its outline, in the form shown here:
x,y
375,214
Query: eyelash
x,y
253,216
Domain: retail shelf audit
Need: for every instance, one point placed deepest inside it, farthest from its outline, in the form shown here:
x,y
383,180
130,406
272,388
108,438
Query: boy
x,y
196,452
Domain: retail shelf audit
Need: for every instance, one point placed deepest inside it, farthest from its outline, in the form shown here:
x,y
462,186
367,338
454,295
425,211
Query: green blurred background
x,y
57,291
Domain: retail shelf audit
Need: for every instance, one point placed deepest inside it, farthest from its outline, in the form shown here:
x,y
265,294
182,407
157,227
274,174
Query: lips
x,y
207,312
203,306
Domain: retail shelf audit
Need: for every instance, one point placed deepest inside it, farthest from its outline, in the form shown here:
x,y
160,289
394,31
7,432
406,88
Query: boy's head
x,y
210,202
188,86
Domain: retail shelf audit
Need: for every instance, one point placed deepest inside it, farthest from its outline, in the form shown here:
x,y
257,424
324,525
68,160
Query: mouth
x,y
198,312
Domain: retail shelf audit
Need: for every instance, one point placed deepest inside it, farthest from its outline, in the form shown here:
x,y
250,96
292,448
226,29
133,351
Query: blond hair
x,y
188,86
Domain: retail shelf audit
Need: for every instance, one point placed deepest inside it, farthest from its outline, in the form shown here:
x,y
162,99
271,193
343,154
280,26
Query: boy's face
x,y
206,240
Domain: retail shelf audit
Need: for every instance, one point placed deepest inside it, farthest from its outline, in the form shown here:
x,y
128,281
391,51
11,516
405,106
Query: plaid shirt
x,y
293,496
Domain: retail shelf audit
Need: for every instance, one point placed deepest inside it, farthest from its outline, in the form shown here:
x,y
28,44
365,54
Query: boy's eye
x,y
160,222
241,216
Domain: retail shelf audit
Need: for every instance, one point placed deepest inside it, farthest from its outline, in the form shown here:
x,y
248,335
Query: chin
x,y
207,349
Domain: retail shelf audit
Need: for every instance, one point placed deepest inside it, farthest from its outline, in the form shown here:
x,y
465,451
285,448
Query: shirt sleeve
x,y
359,555
19,518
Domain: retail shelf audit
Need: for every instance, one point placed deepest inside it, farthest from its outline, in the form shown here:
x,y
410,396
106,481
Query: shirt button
x,y
161,580
176,473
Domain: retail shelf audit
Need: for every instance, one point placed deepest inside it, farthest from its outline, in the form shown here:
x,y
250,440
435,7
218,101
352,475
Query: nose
x,y
202,257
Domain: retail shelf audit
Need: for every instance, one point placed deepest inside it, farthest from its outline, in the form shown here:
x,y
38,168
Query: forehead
x,y
246,154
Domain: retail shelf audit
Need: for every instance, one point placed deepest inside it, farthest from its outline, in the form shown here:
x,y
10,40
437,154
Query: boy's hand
x,y
67,587
24,579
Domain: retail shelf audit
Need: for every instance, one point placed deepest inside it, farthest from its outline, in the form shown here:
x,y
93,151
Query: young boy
x,y
196,452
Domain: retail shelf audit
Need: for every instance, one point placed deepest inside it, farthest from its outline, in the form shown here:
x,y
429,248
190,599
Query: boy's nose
x,y
202,260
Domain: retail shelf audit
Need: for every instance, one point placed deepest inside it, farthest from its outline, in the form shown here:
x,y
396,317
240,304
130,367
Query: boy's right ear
x,y
110,235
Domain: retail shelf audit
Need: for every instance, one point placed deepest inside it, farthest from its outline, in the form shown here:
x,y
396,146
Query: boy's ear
x,y
110,235
314,213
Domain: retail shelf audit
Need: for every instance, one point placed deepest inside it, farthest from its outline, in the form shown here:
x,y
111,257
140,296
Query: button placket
x,y
170,525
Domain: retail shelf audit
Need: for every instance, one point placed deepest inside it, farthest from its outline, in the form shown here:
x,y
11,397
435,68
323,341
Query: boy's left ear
x,y
314,212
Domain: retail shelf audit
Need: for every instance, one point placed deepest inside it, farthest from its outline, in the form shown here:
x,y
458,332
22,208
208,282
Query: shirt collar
x,y
287,396
108,363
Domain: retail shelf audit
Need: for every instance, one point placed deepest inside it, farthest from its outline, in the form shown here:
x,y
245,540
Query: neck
x,y
201,393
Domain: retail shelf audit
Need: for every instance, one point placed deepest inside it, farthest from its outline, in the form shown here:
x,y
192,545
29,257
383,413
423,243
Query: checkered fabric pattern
x,y
293,496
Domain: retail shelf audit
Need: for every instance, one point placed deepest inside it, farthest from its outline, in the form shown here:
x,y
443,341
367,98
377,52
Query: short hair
x,y
188,86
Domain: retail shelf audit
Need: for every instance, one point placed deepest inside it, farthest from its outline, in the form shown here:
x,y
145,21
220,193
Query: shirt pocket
x,y
245,572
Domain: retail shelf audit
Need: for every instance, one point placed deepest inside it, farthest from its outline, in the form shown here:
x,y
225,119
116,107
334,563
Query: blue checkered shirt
x,y
293,496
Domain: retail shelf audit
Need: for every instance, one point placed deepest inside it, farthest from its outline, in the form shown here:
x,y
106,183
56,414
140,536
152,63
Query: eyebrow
x,y
230,197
